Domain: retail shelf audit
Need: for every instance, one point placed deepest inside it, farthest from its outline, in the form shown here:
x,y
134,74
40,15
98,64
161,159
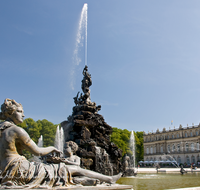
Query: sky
x,y
143,56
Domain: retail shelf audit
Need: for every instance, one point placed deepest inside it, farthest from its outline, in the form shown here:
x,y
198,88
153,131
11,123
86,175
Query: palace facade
x,y
180,144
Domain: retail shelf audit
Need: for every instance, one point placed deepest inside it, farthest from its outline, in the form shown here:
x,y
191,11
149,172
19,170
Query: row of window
x,y
174,148
178,159
173,136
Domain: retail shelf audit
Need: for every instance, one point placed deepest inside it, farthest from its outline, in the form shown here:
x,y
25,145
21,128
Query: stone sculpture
x,y
126,162
92,134
70,160
18,172
182,171
127,169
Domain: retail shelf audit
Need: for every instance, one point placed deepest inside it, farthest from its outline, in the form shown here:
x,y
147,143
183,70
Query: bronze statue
x,y
17,171
86,83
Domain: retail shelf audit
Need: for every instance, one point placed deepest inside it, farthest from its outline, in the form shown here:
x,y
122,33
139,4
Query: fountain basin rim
x,y
98,187
165,170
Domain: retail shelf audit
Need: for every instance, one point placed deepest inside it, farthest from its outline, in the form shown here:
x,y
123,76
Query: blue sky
x,y
143,57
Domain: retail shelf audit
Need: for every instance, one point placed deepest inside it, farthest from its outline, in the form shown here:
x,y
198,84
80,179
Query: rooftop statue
x,y
18,172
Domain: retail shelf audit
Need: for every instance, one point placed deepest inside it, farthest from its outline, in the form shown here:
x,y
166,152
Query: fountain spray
x,y
81,34
86,33
40,141
132,148
59,139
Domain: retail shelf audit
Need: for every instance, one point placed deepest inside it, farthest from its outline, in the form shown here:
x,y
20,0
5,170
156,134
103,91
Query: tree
x,y
122,139
139,146
32,128
40,127
48,131
35,129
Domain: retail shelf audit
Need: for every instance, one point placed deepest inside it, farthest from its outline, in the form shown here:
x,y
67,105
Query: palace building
x,y
181,145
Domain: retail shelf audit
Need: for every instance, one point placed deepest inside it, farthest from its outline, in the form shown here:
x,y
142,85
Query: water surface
x,y
161,181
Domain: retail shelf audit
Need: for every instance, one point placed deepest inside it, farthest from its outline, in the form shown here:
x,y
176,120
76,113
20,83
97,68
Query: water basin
x,y
162,181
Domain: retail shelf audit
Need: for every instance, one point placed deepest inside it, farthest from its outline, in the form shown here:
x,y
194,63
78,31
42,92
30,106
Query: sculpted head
x,y
70,147
11,110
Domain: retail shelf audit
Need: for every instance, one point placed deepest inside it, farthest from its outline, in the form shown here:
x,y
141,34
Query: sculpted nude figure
x,y
73,165
14,139
70,149
18,171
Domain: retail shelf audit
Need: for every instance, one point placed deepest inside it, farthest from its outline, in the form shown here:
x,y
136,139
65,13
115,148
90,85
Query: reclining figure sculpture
x,y
18,172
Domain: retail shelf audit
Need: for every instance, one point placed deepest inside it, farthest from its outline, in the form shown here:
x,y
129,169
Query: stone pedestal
x,y
92,134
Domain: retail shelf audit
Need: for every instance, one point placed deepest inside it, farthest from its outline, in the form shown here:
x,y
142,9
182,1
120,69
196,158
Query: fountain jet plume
x,y
59,139
81,35
132,148
86,33
40,141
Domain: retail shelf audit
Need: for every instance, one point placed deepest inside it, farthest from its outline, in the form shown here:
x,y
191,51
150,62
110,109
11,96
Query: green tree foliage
x,y
48,132
122,139
37,128
32,128
139,146
40,127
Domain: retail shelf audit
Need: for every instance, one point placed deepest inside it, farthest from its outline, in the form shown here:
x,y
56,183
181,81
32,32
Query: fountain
x,y
170,159
59,139
162,159
132,148
89,130
40,141
102,162
129,162
40,144
92,134
85,126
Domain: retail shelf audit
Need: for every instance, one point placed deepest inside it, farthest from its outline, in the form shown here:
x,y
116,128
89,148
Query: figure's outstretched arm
x,y
29,144
66,161
69,162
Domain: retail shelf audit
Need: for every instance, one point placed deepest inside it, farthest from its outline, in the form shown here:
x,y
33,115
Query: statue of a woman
x,y
17,170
